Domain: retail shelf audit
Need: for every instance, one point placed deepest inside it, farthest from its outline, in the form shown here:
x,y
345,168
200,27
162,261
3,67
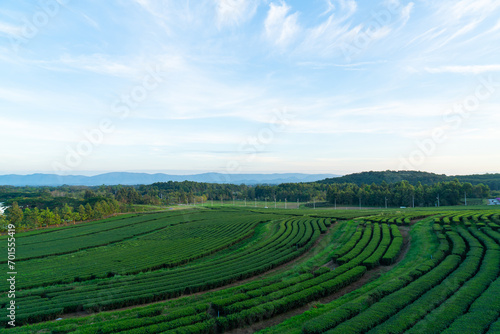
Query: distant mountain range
x,y
144,178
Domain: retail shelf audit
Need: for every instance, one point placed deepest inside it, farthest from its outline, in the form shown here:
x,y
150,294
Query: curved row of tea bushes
x,y
374,259
415,311
358,248
354,307
349,245
159,285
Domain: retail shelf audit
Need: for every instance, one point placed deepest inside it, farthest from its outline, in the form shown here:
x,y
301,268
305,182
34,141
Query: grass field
x,y
217,269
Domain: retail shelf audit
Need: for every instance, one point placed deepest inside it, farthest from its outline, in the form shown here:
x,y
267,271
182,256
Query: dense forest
x,y
405,194
414,178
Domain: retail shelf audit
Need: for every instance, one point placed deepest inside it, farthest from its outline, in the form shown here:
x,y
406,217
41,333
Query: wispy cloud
x,y
132,68
98,63
349,66
329,7
10,30
455,19
464,69
281,28
406,13
344,35
348,7
235,12
457,10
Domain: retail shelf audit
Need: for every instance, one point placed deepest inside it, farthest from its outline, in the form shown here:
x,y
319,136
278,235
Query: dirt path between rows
x,y
369,276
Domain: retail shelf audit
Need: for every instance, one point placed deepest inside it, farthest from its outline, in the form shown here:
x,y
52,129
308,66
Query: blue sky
x,y
240,86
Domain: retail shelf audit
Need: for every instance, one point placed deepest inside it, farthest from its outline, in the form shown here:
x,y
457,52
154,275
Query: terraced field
x,y
277,271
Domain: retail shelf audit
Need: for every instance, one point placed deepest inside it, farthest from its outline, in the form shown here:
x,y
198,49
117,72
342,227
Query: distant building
x,y
494,201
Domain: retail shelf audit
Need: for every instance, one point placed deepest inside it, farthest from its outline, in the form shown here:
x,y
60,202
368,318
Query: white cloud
x,y
495,28
234,12
466,69
340,35
461,17
462,31
90,21
350,66
10,30
98,63
281,27
348,6
126,67
459,9
148,6
329,8
406,12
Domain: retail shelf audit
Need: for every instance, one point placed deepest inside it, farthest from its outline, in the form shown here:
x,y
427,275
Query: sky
x,y
242,86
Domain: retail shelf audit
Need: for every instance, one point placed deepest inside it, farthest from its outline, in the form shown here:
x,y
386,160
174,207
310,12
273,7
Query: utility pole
x,y
386,202
314,203
298,205
413,201
233,200
255,201
285,203
438,200
265,202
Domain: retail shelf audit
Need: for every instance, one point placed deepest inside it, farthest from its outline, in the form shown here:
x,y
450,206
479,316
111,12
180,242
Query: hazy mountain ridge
x,y
126,178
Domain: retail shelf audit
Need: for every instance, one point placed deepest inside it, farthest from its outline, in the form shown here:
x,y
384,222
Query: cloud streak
x,y
465,69
235,12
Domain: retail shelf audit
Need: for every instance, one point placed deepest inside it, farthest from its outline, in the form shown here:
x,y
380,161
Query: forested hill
x,y
389,176
491,180
413,177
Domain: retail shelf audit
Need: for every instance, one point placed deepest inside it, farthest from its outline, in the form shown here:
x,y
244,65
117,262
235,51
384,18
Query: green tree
x,y
106,210
67,213
57,219
32,217
15,215
3,222
98,211
47,217
82,212
89,212
89,194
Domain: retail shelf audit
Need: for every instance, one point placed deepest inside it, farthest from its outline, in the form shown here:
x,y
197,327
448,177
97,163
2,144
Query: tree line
x,y
32,218
33,207
405,194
